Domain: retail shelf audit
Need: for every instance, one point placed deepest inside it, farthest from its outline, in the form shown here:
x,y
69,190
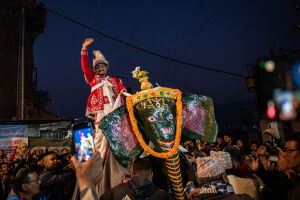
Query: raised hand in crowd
x,y
195,193
88,173
270,132
254,163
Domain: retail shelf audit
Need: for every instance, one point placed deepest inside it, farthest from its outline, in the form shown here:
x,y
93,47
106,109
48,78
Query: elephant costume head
x,y
160,115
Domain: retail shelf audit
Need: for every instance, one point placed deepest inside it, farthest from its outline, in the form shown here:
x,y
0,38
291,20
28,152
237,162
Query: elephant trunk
x,y
172,166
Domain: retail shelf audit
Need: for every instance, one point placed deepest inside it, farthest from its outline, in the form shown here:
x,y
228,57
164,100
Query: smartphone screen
x,y
273,158
285,100
84,141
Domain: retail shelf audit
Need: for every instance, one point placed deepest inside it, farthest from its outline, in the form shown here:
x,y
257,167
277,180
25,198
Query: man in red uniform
x,y
104,98
104,91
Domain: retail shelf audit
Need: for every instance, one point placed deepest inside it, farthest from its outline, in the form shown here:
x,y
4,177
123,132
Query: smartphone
x,y
285,100
83,141
189,188
273,158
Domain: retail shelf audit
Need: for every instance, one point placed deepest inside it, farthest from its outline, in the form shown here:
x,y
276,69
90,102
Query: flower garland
x,y
164,155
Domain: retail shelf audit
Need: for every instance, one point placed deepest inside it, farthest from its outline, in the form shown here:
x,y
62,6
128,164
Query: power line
x,y
203,25
136,28
94,14
177,82
145,50
195,36
234,97
129,4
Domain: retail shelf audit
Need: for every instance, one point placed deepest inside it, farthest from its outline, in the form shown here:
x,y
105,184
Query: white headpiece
x,y
99,58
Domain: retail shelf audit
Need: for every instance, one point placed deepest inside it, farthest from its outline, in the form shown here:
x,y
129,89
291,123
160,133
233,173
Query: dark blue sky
x,y
237,34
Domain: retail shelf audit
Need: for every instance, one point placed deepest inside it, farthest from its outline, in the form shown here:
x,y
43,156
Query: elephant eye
x,y
170,117
157,104
151,119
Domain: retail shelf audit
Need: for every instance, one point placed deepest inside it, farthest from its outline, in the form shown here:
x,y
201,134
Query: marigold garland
x,y
164,155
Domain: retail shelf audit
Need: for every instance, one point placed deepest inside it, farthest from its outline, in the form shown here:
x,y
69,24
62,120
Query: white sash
x,y
105,81
118,100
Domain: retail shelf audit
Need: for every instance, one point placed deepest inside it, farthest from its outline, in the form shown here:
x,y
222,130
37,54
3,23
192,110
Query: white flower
x,y
135,72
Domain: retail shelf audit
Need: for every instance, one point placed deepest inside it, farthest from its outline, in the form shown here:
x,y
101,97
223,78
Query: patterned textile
x,y
216,187
224,158
209,167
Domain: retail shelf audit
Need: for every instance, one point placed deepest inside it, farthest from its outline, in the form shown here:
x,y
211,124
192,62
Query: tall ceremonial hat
x,y
99,58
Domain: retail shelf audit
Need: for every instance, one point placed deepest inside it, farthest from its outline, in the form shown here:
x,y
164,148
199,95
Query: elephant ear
x,y
118,131
199,118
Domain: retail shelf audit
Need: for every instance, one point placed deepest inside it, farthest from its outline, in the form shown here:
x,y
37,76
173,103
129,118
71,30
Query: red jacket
x,y
96,99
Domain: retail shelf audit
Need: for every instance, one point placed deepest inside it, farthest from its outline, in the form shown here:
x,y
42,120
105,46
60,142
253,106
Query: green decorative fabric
x,y
199,118
118,131
156,118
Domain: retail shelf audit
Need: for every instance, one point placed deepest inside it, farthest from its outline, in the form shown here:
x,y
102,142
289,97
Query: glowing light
x,y
270,66
262,64
287,106
271,110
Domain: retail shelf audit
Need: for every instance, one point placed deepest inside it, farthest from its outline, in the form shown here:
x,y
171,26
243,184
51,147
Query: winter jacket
x,y
52,184
138,188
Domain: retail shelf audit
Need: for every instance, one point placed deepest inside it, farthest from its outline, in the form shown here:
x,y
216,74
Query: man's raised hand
x,y
87,42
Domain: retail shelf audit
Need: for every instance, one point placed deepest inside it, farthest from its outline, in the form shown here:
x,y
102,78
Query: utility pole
x,y
20,76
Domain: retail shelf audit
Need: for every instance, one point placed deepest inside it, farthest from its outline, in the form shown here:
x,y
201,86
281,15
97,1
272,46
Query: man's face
x,y
262,150
219,140
50,162
23,148
239,143
8,157
5,168
292,154
41,152
101,69
199,146
226,138
282,163
32,185
253,147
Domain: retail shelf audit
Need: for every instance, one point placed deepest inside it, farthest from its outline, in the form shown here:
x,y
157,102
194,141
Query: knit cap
x,y
224,158
209,167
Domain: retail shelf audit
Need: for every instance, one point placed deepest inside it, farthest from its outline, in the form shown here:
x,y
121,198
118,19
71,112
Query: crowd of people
x,y
266,171
225,170
36,174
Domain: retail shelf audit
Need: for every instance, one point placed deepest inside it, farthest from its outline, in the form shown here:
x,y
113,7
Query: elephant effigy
x,y
159,116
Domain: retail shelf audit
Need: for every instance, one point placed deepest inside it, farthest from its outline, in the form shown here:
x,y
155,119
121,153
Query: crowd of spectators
x,y
36,174
266,171
227,169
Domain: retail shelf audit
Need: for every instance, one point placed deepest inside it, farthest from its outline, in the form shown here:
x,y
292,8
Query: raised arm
x,y
88,72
